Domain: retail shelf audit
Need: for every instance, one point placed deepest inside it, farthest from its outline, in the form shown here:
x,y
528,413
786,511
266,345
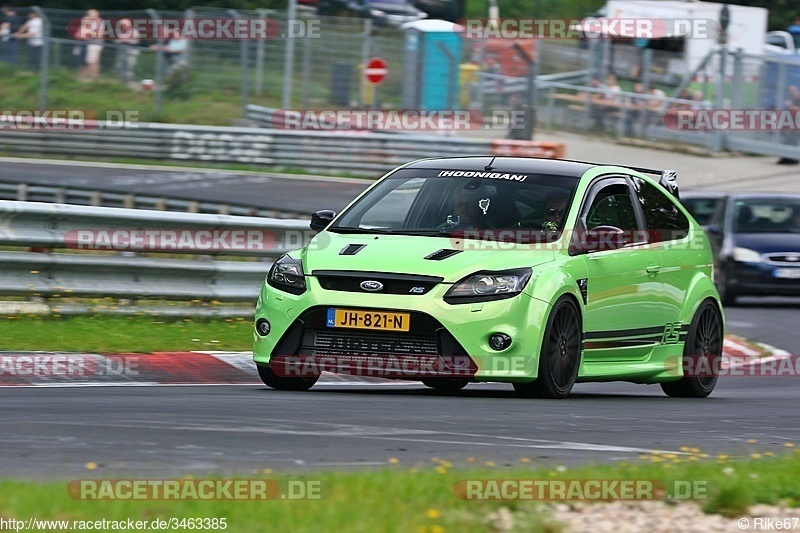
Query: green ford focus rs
x,y
539,273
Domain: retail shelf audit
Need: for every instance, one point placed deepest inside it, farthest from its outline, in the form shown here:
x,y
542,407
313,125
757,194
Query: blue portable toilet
x,y
431,65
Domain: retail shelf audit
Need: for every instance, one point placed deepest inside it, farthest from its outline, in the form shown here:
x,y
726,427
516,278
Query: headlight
x,y
287,275
746,255
484,286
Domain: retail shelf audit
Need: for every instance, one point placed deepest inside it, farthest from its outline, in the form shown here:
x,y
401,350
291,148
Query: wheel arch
x,y
700,290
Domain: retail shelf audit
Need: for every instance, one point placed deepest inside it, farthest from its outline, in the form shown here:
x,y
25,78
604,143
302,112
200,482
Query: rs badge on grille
x,y
372,285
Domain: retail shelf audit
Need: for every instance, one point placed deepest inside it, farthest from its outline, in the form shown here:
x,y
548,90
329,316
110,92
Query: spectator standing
x,y
175,50
612,89
91,33
10,23
634,107
33,31
128,37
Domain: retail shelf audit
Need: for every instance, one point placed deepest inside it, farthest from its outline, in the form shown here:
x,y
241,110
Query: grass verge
x,y
99,333
398,498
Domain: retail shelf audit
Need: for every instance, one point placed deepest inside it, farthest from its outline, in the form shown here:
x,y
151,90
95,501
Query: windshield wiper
x,y
352,229
390,231
443,232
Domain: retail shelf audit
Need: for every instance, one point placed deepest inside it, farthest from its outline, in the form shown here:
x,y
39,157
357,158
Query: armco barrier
x,y
342,152
121,271
24,192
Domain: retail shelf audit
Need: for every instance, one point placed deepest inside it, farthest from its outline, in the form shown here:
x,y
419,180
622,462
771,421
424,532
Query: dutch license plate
x,y
790,273
352,318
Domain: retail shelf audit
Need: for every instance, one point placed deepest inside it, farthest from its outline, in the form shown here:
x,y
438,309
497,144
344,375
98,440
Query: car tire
x,y
705,339
560,356
274,381
446,385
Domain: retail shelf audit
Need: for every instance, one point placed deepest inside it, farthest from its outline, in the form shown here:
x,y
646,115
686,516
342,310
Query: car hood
x,y
405,254
767,243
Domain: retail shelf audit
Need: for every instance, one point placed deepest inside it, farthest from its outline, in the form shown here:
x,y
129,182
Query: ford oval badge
x,y
372,285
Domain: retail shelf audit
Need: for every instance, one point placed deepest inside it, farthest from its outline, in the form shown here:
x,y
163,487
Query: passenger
x,y
555,206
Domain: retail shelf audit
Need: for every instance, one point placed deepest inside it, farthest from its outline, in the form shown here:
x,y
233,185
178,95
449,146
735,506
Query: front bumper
x,y
444,341
764,279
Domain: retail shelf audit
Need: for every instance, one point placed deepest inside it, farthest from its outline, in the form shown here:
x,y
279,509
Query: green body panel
x,y
621,295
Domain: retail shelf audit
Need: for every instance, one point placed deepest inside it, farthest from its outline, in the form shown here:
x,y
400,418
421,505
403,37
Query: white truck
x,y
746,28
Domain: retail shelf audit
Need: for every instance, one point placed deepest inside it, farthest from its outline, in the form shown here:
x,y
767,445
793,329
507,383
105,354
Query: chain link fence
x,y
311,62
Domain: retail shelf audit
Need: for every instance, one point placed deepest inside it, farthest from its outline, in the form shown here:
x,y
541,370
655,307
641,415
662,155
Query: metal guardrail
x,y
24,192
354,153
120,271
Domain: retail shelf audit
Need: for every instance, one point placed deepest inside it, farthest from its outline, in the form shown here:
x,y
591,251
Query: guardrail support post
x,y
22,192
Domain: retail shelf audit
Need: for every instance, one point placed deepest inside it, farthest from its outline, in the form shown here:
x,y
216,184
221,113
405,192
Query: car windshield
x,y
767,216
445,202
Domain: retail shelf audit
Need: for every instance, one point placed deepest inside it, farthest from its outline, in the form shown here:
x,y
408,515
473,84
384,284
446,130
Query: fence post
x,y
720,137
737,81
288,60
366,50
153,14
307,55
244,66
260,45
644,114
189,42
44,58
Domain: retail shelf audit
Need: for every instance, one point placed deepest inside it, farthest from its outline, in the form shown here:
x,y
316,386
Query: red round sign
x,y
375,71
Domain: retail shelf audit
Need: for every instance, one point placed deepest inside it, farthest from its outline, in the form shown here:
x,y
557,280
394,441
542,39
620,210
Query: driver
x,y
467,210
555,206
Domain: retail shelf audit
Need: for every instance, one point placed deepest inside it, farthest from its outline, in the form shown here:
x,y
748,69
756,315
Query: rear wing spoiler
x,y
668,179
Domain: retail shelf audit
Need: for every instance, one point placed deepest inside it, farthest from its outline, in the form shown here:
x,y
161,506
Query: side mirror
x,y
321,219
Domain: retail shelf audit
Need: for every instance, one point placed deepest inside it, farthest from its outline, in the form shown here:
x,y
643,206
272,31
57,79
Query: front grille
x,y
427,349
788,258
356,342
336,280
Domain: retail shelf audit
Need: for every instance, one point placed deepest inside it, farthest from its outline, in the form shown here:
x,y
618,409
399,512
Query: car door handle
x,y
653,269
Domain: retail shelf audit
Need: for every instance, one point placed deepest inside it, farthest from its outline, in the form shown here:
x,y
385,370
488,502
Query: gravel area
x,y
686,517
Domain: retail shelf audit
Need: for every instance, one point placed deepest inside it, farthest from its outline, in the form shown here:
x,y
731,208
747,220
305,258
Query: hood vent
x,y
444,253
352,249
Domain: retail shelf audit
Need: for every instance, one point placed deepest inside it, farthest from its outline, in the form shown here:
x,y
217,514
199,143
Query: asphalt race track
x,y
158,431
256,189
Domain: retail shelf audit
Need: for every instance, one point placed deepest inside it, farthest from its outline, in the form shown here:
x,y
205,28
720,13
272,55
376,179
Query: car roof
x,y
556,167
764,196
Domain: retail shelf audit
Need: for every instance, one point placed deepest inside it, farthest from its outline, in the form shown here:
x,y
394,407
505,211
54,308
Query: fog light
x,y
499,341
262,327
